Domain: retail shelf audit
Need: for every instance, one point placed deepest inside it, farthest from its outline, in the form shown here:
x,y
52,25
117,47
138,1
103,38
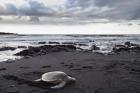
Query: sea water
x,y
105,42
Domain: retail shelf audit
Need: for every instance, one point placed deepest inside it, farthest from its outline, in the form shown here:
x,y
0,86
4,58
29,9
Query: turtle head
x,y
71,79
38,80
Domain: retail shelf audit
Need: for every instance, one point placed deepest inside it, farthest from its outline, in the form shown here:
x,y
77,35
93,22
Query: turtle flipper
x,y
60,85
38,79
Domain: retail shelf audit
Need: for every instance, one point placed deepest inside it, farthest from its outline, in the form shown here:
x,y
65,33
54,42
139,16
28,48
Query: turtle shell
x,y
54,77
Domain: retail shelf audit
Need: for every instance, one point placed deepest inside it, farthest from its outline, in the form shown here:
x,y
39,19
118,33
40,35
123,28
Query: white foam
x,y
9,55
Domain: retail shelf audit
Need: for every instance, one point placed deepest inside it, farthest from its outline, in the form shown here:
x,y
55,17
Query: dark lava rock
x,y
94,47
53,42
29,52
7,48
82,44
127,44
35,51
91,40
41,42
119,48
22,47
128,47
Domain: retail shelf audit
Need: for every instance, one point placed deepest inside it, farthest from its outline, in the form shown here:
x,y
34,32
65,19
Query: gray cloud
x,y
122,9
36,9
80,10
11,9
79,3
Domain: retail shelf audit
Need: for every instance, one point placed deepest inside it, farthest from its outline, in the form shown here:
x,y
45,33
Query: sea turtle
x,y
58,78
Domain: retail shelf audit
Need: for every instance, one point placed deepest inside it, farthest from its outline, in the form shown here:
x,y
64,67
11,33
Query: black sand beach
x,y
95,73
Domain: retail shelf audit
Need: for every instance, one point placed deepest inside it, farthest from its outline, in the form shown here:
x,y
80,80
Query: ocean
x,y
104,42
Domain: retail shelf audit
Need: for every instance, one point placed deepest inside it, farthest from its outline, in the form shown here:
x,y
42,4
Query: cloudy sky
x,y
72,12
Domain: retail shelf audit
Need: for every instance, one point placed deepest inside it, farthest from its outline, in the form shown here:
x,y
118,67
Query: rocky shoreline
x,y
42,50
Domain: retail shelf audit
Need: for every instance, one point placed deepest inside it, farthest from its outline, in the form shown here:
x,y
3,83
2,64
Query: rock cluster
x,y
127,47
41,42
35,51
7,48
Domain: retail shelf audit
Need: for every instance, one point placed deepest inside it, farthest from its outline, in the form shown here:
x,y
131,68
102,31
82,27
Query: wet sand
x,y
95,73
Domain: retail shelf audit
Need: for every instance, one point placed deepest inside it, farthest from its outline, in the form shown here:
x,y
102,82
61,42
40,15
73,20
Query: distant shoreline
x,y
6,33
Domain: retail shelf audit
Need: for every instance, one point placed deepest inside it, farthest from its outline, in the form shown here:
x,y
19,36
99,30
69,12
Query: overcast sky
x,y
69,11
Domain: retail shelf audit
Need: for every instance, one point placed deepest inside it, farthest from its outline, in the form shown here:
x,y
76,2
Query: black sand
x,y
95,73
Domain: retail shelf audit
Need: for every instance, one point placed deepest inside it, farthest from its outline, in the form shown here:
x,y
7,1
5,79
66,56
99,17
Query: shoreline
x,y
95,73
11,45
